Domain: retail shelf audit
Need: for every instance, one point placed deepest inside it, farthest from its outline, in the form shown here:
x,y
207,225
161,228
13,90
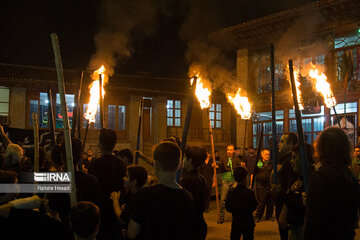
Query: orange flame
x,y
241,104
323,87
297,86
202,93
95,94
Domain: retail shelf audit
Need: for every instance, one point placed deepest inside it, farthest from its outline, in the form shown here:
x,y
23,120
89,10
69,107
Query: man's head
x,y
333,147
107,140
287,142
13,156
265,154
230,150
85,219
89,153
126,156
357,152
251,150
136,177
240,174
167,156
195,156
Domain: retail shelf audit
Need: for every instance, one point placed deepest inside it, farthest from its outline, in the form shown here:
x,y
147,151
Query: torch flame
x,y
297,86
202,93
323,87
95,94
241,104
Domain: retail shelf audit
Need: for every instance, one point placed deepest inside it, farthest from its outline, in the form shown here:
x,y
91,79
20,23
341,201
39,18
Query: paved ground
x,y
265,230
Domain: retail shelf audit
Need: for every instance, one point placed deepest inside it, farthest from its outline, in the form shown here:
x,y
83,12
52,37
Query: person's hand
x,y
303,194
278,167
115,196
214,165
2,133
243,164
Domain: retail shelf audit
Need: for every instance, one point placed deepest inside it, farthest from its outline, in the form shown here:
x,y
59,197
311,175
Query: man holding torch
x,y
226,166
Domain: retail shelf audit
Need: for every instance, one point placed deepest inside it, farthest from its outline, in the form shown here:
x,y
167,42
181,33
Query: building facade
x,y
23,90
321,33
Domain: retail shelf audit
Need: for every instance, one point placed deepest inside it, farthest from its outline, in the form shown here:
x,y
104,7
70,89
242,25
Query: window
x,y
173,113
43,111
112,117
4,102
34,107
351,118
70,102
312,124
263,120
121,117
215,115
264,78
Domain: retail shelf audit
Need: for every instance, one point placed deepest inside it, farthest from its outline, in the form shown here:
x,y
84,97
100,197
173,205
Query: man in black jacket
x,y
263,186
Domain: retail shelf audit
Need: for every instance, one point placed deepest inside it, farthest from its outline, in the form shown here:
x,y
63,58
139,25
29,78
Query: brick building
x,y
24,90
319,32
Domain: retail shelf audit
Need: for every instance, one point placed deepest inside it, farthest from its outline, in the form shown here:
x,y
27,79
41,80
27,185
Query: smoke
x,y
296,44
120,20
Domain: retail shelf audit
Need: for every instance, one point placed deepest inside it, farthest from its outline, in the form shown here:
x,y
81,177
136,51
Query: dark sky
x,y
26,25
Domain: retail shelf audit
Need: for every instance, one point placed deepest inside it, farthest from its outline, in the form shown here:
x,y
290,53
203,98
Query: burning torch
x,y
95,92
203,95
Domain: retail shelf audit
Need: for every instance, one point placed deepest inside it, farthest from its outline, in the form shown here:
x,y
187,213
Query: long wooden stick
x,y
273,112
51,118
36,141
79,107
244,144
141,110
67,134
36,145
299,128
101,102
215,177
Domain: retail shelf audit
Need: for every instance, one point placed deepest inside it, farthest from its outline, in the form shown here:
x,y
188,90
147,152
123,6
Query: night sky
x,y
26,25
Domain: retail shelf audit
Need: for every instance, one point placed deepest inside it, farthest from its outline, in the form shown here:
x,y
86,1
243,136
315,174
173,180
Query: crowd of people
x,y
116,200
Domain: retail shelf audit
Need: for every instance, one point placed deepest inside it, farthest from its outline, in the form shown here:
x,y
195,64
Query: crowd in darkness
x,y
117,200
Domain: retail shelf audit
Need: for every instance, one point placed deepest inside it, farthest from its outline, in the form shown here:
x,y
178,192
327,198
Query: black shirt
x,y
332,204
241,203
164,213
109,171
29,224
207,171
87,187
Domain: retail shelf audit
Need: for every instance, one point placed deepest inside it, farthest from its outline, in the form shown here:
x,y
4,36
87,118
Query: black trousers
x,y
265,200
237,231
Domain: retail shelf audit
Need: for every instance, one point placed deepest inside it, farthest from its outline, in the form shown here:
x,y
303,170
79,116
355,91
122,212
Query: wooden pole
x,y
243,151
257,155
188,114
36,141
85,135
36,146
304,164
79,107
101,102
141,110
273,112
67,134
51,118
214,164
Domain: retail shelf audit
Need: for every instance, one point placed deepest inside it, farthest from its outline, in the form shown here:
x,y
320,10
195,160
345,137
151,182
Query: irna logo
x,y
52,176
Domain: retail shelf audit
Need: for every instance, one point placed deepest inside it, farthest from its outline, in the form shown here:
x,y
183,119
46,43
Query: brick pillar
x,y
242,77
17,110
159,127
